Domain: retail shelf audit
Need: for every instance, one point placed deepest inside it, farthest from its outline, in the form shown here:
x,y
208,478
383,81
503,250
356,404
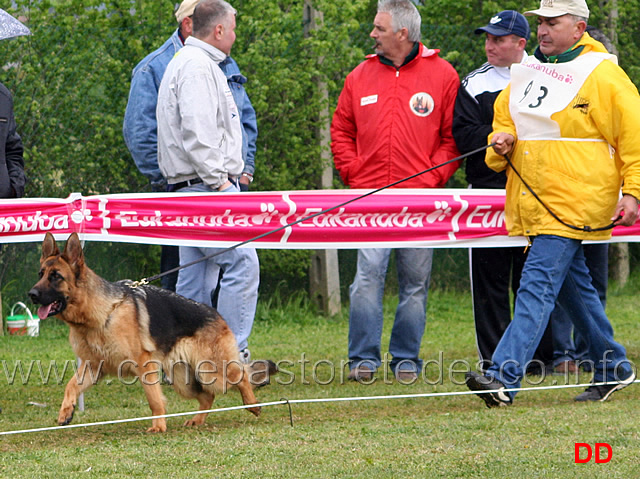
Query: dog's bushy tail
x,y
260,371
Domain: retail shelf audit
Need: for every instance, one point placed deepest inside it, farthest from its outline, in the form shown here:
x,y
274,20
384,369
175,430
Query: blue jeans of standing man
x,y
568,345
238,295
556,269
365,316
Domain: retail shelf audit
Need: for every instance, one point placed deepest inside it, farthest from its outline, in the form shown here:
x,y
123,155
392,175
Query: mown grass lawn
x,y
442,436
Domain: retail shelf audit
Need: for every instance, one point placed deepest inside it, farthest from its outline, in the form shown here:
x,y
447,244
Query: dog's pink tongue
x,y
43,311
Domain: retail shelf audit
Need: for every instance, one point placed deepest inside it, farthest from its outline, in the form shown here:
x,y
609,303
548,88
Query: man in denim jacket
x,y
140,125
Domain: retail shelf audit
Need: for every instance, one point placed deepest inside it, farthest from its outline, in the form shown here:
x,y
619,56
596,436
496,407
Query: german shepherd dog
x,y
124,329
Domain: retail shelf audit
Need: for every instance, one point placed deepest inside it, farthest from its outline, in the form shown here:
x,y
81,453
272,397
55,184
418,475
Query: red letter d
x,y
577,452
609,456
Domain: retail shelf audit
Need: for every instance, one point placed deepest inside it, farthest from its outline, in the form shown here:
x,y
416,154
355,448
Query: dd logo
x,y
589,452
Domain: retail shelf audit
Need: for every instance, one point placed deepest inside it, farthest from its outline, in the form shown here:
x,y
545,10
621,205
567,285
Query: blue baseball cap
x,y
507,22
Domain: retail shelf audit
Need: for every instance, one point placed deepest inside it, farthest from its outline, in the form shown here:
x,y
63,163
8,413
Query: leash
x,y
145,281
586,228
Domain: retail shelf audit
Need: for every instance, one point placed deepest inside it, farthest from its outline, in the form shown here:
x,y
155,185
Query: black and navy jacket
x,y
472,119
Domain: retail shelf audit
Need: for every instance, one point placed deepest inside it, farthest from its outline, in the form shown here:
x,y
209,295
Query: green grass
x,y
448,436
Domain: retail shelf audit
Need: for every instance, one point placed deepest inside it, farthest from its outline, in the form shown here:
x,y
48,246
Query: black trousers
x,y
169,259
494,273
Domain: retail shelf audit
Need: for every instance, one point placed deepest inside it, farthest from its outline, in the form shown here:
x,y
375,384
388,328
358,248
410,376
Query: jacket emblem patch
x,y
581,104
421,104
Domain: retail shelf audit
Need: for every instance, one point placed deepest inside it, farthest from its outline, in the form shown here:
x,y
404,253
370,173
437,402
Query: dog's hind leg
x,y
246,391
78,384
237,375
206,400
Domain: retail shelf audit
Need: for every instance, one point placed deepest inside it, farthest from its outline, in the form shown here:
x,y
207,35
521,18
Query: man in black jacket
x,y
12,177
493,270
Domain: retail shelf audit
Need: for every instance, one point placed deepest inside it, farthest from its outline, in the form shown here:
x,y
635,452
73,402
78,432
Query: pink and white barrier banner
x,y
439,218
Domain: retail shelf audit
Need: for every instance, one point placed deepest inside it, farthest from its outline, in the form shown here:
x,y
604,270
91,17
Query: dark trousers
x,y
495,272
169,259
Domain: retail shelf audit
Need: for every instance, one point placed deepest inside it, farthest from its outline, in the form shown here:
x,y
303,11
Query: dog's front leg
x,y
151,384
78,384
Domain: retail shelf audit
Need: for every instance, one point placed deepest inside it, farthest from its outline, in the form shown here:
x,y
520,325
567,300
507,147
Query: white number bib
x,y
538,90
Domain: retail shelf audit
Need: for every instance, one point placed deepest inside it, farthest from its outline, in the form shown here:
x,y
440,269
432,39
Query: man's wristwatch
x,y
248,176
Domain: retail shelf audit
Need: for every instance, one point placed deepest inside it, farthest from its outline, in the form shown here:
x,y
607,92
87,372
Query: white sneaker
x,y
245,355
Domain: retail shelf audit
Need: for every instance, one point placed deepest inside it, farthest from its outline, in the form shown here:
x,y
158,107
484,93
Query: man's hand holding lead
x,y
626,211
503,143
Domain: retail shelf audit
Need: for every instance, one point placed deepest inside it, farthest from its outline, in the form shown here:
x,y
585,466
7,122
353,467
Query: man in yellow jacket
x,y
565,130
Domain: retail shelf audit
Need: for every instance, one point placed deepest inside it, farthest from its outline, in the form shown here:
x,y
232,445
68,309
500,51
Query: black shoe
x,y
497,398
361,374
602,393
166,379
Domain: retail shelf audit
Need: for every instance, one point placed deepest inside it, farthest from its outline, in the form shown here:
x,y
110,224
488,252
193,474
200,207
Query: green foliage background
x,y
70,81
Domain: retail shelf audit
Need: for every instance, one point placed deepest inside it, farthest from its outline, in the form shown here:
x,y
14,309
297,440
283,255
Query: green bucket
x,y
22,324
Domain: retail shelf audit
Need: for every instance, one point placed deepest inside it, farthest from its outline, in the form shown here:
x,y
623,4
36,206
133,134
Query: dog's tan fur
x,y
110,323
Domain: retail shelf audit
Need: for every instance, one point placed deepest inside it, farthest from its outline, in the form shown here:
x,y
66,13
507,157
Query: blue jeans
x,y
238,294
365,316
556,269
568,345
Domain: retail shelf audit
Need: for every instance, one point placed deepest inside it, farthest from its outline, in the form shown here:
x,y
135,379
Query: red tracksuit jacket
x,y
392,122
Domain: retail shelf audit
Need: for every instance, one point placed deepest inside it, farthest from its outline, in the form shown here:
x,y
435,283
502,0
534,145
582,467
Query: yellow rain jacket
x,y
578,160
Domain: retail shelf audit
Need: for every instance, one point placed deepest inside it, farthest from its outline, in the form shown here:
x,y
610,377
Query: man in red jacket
x,y
393,120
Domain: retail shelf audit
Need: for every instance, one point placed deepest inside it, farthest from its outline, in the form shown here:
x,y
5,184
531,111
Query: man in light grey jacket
x,y
200,150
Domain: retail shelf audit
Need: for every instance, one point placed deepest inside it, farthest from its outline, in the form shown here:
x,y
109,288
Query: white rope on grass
x,y
135,419
299,401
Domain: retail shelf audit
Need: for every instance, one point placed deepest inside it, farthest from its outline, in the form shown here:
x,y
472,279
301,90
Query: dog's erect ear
x,y
49,246
73,251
